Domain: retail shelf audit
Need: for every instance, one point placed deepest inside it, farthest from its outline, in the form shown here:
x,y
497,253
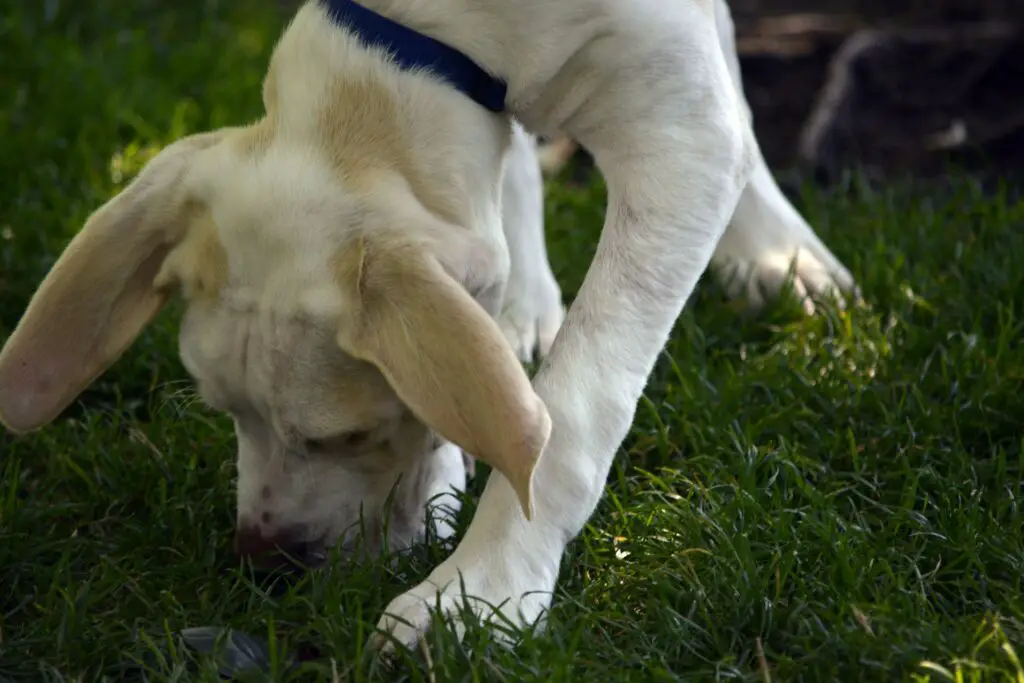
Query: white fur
x,y
643,84
532,311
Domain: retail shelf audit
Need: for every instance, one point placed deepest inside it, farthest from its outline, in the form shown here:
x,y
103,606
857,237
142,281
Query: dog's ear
x,y
444,356
99,294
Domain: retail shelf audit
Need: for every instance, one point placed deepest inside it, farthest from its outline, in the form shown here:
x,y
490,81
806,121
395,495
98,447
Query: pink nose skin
x,y
282,549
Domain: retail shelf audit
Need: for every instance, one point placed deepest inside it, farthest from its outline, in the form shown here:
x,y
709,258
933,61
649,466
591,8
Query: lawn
x,y
801,499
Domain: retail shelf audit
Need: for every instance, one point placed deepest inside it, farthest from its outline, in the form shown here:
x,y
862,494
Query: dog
x,y
364,269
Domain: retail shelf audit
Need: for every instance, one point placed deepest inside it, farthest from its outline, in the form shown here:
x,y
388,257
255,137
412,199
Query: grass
x,y
836,498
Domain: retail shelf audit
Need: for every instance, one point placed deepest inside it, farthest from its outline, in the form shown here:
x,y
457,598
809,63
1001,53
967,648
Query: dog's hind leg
x,y
532,310
766,234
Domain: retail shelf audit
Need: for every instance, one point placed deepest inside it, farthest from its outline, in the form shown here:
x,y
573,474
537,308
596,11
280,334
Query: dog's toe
x,y
493,591
531,318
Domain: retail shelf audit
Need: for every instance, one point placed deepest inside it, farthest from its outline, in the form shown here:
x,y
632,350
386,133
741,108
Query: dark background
x,y
933,62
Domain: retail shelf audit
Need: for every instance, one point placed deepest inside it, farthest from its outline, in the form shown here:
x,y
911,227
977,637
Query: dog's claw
x,y
768,244
812,279
531,316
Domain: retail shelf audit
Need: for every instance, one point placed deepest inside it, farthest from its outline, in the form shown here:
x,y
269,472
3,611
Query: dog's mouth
x,y
294,556
309,556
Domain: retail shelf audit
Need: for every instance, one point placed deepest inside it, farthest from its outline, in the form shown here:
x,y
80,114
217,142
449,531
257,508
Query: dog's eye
x,y
342,442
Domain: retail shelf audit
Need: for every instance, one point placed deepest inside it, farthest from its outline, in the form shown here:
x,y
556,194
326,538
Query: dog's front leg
x,y
532,310
669,134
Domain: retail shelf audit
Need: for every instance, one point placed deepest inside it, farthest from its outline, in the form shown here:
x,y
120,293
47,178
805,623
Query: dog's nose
x,y
281,549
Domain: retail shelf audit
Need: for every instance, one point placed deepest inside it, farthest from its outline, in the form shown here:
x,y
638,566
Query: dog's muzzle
x,y
284,550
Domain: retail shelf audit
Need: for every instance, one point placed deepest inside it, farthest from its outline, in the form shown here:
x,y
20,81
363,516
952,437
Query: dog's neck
x,y
411,49
328,90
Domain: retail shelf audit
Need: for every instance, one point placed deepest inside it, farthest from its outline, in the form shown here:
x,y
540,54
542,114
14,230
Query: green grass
x,y
836,498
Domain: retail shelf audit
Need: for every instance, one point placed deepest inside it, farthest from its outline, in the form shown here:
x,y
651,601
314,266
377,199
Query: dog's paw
x,y
500,593
755,260
531,315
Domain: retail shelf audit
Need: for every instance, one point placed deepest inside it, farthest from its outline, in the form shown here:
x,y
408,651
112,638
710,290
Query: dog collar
x,y
411,50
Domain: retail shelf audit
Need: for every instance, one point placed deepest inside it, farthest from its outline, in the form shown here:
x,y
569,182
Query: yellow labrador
x,y
364,266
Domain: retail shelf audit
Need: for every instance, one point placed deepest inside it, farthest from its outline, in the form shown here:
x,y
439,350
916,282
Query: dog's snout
x,y
250,542
276,550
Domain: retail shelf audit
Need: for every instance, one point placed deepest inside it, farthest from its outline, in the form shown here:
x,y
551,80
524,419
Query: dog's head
x,y
337,327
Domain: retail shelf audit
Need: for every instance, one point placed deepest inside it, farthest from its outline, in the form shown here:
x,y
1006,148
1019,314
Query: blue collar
x,y
411,50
